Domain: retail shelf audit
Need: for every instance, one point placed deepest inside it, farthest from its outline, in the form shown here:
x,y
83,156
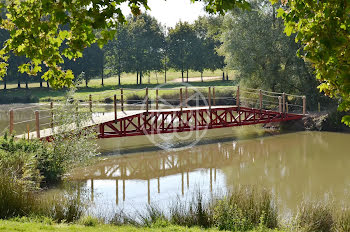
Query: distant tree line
x,y
140,46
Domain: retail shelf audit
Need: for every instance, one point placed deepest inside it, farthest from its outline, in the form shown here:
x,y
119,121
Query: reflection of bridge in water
x,y
155,166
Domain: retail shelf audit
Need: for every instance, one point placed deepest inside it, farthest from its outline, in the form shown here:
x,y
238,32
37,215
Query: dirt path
x,y
193,79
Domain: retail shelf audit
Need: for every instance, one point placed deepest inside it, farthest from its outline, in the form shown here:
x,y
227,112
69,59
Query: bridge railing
x,y
37,117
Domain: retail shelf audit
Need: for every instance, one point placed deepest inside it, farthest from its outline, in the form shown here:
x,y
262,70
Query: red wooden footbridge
x,y
146,111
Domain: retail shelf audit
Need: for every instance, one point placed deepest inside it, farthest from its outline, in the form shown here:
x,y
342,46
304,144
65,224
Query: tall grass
x,y
240,210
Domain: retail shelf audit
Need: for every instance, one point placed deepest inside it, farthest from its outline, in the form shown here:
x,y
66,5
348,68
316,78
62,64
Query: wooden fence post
x,y
181,99
157,99
51,107
260,99
90,102
304,105
115,107
146,97
287,107
209,98
284,102
28,130
11,121
280,104
122,99
186,97
213,96
37,124
237,97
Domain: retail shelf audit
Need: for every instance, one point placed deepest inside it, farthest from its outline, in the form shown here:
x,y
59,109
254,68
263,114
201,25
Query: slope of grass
x,y
9,226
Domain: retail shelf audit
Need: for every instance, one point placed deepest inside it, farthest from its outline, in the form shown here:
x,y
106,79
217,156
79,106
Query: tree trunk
x,y
41,83
165,73
48,85
187,76
202,76
149,78
157,78
5,83
26,83
102,69
182,75
226,76
137,77
86,82
223,75
119,70
140,77
19,83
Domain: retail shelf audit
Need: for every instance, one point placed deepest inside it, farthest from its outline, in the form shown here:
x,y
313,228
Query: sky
x,y
169,12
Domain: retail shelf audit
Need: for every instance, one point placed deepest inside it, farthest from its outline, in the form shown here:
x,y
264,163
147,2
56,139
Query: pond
x,y
295,167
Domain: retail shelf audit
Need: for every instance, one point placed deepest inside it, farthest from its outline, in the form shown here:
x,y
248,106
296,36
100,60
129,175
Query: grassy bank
x,y
39,226
36,94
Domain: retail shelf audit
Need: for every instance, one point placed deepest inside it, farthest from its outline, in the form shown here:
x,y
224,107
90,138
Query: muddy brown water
x,y
295,167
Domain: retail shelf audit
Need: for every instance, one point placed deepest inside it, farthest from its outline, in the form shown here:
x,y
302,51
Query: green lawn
x,y
130,79
99,93
35,227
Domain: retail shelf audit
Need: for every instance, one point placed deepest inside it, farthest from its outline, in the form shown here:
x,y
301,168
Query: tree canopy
x,y
323,30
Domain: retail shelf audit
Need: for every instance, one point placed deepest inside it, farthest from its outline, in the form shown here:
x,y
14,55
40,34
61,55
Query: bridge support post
x,y
279,104
37,124
181,99
90,102
157,99
186,97
115,107
237,97
213,96
122,99
260,100
11,121
304,105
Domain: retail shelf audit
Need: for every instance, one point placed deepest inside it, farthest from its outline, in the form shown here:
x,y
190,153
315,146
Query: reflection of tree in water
x,y
291,165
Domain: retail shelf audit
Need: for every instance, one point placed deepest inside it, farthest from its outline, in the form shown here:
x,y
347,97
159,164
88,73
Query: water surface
x,y
295,167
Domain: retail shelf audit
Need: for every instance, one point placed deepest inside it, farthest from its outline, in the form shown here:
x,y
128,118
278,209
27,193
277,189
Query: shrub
x,y
89,221
244,209
315,217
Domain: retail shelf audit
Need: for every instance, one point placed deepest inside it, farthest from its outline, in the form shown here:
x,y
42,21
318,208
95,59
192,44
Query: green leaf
x,y
346,120
280,12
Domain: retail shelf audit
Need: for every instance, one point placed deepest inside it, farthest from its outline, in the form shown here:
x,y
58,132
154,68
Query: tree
x,y
182,47
255,45
323,30
91,63
146,38
208,30
118,50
